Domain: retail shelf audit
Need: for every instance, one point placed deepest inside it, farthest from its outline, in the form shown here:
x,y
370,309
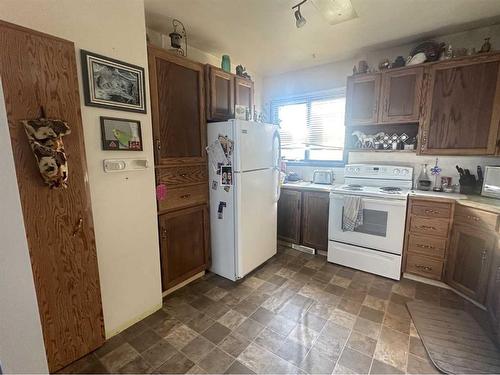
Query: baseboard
x,y
184,283
131,322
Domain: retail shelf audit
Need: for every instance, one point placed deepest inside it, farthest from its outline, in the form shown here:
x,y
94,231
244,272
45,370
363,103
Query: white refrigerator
x,y
243,207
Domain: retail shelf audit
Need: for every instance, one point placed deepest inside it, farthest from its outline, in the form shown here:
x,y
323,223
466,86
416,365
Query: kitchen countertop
x,y
474,201
306,185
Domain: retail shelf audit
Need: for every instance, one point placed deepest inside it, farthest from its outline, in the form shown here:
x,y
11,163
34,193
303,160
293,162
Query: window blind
x,y
311,127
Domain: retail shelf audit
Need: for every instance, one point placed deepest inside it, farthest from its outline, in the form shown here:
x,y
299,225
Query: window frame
x,y
308,99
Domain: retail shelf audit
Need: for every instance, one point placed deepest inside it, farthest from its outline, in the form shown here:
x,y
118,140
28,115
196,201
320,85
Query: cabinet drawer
x,y
431,246
184,197
424,266
434,227
183,175
434,209
475,218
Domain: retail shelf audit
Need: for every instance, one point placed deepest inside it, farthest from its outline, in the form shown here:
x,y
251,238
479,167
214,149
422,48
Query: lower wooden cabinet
x,y
314,226
303,218
184,244
470,260
493,298
289,212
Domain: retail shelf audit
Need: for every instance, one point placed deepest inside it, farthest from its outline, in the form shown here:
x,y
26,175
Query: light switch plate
x,y
124,165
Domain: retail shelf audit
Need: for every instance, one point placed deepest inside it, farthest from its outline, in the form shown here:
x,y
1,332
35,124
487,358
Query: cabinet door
x,y
178,108
493,301
220,99
58,222
469,262
461,114
401,92
243,92
362,99
183,244
315,219
289,212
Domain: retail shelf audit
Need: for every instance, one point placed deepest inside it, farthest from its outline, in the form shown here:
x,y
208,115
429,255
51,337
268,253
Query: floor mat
x,y
454,341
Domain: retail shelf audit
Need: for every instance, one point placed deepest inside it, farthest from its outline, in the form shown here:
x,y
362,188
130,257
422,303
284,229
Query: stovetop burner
x,y
390,189
353,187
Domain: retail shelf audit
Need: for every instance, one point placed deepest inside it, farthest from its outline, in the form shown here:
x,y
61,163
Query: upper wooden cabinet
x,y
220,98
462,111
178,108
243,92
224,91
362,99
400,95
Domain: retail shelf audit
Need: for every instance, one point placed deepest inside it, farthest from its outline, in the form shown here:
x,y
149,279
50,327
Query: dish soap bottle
x,y
424,182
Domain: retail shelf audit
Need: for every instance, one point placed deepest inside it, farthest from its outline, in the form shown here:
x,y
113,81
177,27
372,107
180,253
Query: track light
x,y
299,18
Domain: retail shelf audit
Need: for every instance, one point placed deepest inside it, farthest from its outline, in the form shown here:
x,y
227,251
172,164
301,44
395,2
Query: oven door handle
x,y
393,202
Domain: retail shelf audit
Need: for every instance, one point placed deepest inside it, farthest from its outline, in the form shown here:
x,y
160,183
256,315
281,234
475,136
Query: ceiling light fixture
x,y
299,18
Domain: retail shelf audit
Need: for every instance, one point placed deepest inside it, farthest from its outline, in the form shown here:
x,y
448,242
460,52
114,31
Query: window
x,y
311,127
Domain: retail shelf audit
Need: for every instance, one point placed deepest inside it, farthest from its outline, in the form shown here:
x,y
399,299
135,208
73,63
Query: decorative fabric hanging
x,y
45,138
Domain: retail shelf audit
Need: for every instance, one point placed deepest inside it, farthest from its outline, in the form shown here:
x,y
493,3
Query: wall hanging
x,y
45,138
110,83
121,134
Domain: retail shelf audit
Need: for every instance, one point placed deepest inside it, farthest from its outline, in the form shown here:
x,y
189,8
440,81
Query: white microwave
x,y
491,183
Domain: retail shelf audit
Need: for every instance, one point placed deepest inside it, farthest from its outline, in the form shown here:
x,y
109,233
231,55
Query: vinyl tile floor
x,y
295,314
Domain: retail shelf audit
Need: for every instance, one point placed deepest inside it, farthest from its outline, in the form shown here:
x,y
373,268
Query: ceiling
x,y
262,33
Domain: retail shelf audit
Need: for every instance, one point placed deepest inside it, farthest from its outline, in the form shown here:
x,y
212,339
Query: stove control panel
x,y
378,171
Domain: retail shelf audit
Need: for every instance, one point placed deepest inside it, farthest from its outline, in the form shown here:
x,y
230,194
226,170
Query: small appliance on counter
x,y
491,182
292,177
324,177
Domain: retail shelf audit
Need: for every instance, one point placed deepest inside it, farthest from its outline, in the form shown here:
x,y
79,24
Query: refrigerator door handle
x,y
277,163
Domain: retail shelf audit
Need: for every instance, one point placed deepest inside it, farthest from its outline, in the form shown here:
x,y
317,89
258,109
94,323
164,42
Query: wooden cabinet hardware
x,y
431,212
424,246
185,196
426,227
422,267
78,227
163,233
475,218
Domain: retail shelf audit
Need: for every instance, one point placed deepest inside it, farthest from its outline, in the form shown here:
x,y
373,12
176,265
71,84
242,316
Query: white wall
x,y
207,57
334,75
21,342
123,204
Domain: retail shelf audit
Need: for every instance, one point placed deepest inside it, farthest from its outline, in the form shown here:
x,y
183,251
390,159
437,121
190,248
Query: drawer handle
x,y
183,174
426,227
431,212
475,218
422,267
425,246
185,196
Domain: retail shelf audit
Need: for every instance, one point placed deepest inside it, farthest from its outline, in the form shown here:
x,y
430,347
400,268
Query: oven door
x,y
383,224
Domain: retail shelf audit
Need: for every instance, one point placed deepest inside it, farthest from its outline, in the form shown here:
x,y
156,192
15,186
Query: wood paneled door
x,y
462,111
39,70
471,253
363,93
184,244
289,215
243,92
220,98
401,92
315,207
178,108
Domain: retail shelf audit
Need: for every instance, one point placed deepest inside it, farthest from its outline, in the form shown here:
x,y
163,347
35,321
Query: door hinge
x,y
158,144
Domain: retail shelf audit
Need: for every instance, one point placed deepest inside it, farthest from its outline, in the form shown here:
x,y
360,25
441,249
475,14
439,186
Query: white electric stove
x,y
376,245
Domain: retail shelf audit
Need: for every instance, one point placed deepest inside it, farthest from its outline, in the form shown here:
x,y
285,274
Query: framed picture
x,y
121,134
109,83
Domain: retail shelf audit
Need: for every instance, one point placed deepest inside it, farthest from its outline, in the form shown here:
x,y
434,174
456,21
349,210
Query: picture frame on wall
x,y
120,134
113,84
